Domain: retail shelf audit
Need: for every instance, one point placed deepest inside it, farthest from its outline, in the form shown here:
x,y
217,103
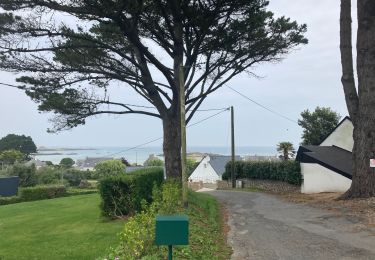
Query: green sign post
x,y
171,230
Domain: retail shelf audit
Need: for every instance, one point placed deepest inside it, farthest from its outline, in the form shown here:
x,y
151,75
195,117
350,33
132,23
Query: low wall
x,y
195,185
266,185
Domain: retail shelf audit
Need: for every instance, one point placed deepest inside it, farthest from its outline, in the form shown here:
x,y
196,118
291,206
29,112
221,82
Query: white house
x,y
210,169
328,167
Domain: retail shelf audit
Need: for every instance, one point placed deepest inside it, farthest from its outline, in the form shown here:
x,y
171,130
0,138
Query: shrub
x,y
48,175
123,194
108,168
42,192
9,200
286,171
27,174
138,236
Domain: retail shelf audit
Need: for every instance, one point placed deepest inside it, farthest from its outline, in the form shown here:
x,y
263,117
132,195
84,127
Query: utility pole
x,y
232,146
183,137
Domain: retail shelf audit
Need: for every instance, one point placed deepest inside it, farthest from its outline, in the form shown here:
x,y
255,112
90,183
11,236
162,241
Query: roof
x,y
342,121
332,157
218,162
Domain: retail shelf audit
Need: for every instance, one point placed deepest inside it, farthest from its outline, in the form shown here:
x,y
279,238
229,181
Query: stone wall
x,y
195,185
266,185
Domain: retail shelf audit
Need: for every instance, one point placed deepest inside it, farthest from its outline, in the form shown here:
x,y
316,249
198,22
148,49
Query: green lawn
x,y
63,228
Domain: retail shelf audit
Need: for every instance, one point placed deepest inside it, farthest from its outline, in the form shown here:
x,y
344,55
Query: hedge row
x,y
44,192
123,194
286,171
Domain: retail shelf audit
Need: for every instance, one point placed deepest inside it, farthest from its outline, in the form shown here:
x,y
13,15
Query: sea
x,y
139,155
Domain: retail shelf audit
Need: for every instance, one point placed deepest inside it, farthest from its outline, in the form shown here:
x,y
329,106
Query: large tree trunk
x,y
172,145
361,106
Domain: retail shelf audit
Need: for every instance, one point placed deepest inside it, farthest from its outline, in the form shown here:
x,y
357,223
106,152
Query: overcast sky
x,y
307,78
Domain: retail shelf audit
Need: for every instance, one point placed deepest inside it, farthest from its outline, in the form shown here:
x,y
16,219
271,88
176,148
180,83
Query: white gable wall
x,y
341,137
317,178
204,172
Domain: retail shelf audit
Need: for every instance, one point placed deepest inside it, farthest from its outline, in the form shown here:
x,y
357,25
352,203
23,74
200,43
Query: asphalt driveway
x,y
265,227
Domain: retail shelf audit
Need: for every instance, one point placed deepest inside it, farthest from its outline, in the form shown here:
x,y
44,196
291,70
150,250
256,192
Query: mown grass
x,y
207,236
63,228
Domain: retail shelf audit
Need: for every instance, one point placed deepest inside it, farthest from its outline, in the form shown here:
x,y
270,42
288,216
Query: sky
x,y
306,78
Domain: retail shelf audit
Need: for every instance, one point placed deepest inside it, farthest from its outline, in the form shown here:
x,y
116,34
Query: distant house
x,y
328,167
211,168
38,164
89,162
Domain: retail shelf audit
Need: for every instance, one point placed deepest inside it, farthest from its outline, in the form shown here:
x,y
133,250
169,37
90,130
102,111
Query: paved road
x,y
264,227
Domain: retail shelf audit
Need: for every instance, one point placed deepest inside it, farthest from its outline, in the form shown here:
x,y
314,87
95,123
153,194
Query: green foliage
x,y
317,124
48,175
123,194
9,200
67,162
207,240
21,143
286,171
42,192
27,174
286,149
153,161
10,157
108,168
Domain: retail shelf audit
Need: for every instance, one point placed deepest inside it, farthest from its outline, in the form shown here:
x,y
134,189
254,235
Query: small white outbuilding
x,y
328,167
210,169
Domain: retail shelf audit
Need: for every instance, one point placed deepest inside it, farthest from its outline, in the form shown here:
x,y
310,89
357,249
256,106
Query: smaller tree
x,y
110,167
153,161
22,143
318,124
67,162
286,149
9,157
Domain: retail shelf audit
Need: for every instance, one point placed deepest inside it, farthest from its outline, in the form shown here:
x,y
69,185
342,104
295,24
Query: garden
x,y
48,222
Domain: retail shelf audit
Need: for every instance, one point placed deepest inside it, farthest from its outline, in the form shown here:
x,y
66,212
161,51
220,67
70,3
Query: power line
x,y
159,138
262,106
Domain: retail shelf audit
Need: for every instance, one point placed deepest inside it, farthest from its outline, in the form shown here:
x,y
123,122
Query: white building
x,y
210,169
328,167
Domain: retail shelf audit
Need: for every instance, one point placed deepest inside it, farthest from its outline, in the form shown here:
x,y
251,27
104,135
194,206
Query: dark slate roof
x,y
218,162
332,157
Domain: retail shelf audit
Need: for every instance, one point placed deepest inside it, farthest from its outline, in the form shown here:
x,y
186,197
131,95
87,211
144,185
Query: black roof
x,y
332,157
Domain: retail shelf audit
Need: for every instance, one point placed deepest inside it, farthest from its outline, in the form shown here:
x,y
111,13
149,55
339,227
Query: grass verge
x,y
63,228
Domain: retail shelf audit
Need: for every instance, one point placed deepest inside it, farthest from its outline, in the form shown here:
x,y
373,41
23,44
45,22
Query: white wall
x,y
341,137
317,178
204,172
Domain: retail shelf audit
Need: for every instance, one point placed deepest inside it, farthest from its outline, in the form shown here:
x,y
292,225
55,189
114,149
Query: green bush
x,y
27,174
123,194
9,200
109,168
138,235
286,171
42,192
48,175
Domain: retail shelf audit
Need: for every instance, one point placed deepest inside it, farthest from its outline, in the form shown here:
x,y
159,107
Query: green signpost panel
x,y
172,230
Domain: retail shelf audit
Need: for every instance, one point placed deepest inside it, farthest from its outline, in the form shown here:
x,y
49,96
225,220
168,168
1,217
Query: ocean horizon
x,y
140,154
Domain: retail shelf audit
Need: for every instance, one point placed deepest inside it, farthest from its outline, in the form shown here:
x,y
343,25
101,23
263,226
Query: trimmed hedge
x,y
42,192
286,171
123,194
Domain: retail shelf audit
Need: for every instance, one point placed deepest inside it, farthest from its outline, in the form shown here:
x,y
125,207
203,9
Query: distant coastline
x,y
48,149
